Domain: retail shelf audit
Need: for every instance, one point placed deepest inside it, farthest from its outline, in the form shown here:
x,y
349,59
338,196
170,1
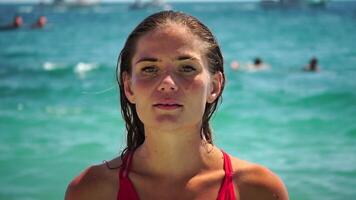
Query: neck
x,y
175,153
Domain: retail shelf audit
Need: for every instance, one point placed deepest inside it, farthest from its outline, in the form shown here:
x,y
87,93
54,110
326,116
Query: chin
x,y
164,122
172,123
167,119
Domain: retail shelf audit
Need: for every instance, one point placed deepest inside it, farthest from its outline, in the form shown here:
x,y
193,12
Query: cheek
x,y
142,86
201,83
197,97
198,89
143,90
199,86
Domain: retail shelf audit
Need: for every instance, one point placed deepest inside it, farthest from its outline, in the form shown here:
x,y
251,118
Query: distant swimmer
x,y
257,65
41,22
17,23
235,65
312,66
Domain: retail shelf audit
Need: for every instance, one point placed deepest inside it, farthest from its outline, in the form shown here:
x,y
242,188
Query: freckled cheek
x,y
200,89
197,93
142,89
196,87
144,84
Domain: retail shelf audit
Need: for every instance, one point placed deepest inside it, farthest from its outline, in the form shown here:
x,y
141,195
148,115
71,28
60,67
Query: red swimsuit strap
x,y
126,188
227,191
227,165
126,164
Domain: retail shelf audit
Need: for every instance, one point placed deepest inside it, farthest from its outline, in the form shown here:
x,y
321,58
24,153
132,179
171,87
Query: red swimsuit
x,y
127,190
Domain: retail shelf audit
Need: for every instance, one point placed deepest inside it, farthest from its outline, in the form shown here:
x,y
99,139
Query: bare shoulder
x,y
257,182
96,182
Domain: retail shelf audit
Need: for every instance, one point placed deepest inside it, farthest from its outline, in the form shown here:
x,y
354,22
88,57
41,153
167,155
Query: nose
x,y
167,84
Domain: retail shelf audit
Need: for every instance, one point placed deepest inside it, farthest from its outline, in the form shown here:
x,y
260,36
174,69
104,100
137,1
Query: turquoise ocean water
x,y
59,109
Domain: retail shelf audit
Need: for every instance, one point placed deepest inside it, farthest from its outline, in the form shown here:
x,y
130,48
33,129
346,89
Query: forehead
x,y
170,39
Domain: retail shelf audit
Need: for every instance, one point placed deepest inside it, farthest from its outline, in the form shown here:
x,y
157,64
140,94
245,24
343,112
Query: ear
x,y
127,88
215,87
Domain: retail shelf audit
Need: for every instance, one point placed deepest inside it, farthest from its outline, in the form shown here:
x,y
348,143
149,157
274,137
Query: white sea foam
x,y
48,66
82,69
62,110
249,67
25,9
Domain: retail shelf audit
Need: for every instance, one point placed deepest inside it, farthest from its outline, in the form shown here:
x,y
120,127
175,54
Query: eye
x,y
149,69
187,69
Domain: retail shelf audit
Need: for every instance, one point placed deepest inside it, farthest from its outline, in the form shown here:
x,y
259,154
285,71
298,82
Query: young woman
x,y
171,78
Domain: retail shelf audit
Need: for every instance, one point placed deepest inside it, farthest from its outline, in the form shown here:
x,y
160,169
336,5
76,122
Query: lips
x,y
168,106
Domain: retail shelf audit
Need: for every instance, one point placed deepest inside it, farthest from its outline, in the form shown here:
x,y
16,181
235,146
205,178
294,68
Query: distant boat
x,y
291,3
139,4
75,2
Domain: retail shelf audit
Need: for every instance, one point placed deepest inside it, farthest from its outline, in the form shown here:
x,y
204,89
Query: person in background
x,y
235,65
171,77
257,65
40,23
258,62
312,66
17,23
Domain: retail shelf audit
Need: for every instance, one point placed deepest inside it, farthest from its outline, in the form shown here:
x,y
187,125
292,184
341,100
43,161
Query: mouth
x,y
167,106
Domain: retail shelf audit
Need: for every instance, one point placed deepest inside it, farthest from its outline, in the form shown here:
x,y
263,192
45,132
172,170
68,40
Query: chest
x,y
204,187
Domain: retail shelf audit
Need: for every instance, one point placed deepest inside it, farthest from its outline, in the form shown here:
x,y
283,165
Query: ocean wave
x,y
63,110
327,98
81,69
50,66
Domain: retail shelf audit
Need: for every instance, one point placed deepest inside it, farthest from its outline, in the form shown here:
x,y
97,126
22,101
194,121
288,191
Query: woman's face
x,y
170,83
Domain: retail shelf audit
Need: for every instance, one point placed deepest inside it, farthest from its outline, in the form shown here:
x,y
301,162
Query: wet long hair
x,y
134,126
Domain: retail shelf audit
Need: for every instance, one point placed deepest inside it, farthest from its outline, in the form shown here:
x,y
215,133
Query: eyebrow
x,y
179,58
186,57
147,59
